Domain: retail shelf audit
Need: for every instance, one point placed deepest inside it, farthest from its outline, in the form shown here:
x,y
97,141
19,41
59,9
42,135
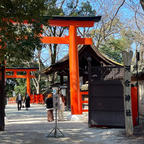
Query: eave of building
x,y
60,65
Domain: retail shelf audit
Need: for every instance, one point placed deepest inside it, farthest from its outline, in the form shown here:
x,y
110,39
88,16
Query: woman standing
x,y
27,101
61,107
49,106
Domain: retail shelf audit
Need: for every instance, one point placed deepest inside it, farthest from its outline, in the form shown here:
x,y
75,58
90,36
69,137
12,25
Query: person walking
x,y
49,106
19,101
27,101
61,107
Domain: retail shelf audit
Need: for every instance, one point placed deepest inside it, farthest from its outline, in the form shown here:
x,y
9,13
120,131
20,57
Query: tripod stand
x,y
55,130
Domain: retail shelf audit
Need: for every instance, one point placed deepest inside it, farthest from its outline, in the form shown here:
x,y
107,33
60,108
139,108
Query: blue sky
x,y
126,14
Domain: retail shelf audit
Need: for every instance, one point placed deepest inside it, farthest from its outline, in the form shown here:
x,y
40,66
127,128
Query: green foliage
x,y
19,40
17,85
86,9
52,8
114,47
113,54
20,87
10,84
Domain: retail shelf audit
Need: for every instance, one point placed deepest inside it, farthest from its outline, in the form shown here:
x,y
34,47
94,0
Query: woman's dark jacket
x,y
27,101
49,103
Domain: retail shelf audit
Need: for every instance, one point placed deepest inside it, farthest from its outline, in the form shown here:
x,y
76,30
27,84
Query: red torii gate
x,y
73,40
27,76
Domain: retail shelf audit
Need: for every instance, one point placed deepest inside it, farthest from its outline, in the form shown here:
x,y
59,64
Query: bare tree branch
x,y
142,4
61,5
116,14
137,23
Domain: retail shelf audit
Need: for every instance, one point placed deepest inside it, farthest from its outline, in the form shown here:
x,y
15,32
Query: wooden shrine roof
x,y
84,51
73,18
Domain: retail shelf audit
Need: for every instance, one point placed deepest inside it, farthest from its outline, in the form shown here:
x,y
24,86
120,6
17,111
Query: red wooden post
x,y
28,83
134,99
74,71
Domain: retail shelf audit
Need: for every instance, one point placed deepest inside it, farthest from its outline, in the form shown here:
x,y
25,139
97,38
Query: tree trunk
x,y
2,98
38,89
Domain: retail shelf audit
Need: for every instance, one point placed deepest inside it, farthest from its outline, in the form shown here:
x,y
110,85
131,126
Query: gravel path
x,y
31,127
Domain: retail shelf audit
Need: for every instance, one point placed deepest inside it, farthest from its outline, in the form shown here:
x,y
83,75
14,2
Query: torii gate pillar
x,y
73,40
74,72
28,83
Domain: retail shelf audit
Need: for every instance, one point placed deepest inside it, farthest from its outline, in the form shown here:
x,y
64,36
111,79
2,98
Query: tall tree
x,y
18,41
113,48
15,36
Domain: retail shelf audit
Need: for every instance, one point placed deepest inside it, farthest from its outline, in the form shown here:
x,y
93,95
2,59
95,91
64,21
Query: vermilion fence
x,y
36,98
84,101
11,100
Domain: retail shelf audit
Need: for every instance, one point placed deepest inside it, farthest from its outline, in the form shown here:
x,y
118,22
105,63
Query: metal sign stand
x,y
55,130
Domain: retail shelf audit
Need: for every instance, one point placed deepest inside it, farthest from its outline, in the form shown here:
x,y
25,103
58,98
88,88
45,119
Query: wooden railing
x,y
83,101
37,98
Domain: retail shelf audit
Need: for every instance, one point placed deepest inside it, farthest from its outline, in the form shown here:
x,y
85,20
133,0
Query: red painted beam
x,y
85,110
84,101
19,76
65,40
84,41
67,23
14,21
55,40
84,92
20,70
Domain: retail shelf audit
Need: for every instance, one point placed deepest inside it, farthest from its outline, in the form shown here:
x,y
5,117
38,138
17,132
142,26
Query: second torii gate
x,y
27,76
73,40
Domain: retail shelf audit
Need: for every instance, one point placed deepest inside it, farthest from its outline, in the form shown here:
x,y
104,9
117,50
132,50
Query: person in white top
x,y
61,107
19,101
